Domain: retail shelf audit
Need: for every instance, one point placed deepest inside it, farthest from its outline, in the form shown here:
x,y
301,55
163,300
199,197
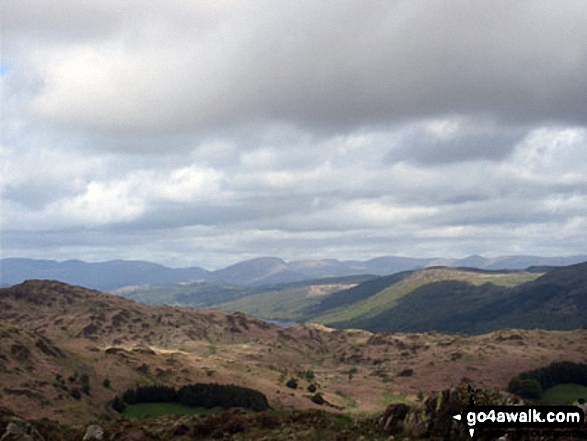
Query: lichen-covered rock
x,y
94,433
21,430
434,418
393,416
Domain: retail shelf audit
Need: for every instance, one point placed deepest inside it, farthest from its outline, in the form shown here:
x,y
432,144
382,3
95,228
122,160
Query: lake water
x,y
280,323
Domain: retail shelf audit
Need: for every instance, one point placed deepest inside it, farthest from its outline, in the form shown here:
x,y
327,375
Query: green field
x,y
564,394
143,411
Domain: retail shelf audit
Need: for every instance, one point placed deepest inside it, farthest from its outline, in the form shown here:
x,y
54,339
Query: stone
x,y
393,415
21,430
94,433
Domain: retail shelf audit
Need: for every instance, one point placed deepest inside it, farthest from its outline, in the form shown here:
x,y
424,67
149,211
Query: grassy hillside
x,y
472,302
292,301
372,311
199,295
373,304
283,304
441,299
357,293
280,301
448,306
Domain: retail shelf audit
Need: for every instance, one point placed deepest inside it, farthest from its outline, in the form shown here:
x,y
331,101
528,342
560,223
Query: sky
x,y
208,132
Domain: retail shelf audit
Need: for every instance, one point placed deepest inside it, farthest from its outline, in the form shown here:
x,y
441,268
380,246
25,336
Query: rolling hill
x,y
57,339
264,301
290,302
440,299
343,302
461,301
195,295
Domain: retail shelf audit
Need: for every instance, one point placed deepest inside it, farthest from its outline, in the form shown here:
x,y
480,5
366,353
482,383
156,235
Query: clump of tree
x,y
85,380
216,395
207,395
525,388
150,394
118,404
530,384
318,399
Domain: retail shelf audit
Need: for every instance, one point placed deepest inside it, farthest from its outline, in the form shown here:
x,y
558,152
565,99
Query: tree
x,y
318,399
118,405
85,380
525,388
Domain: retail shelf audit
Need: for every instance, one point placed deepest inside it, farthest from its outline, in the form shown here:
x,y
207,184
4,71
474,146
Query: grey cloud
x,y
419,59
36,195
235,129
508,212
336,66
66,20
491,143
255,211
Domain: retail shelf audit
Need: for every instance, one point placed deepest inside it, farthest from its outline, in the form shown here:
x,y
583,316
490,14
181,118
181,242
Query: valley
x,y
442,299
363,345
57,338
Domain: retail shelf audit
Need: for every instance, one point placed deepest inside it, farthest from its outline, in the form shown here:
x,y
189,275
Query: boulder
x,y
93,433
393,417
21,430
433,419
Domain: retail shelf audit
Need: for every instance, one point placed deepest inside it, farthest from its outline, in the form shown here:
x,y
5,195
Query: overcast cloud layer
x,y
204,133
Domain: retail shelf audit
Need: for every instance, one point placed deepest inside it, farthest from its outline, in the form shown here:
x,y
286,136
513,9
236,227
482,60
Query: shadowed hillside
x,y
555,300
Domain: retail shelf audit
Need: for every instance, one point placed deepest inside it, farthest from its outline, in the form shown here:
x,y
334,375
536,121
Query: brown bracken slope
x,y
53,334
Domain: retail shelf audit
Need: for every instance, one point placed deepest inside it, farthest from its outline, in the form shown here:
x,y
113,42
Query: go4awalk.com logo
x,y
537,417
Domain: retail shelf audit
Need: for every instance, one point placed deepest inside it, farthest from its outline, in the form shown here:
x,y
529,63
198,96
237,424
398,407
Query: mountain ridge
x,y
115,274
556,299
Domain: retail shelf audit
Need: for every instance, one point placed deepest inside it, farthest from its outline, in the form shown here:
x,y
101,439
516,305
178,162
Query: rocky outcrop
x,y
434,418
21,430
393,417
93,433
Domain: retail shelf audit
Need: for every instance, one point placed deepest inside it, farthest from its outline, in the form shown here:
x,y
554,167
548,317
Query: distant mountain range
x,y
103,276
261,271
